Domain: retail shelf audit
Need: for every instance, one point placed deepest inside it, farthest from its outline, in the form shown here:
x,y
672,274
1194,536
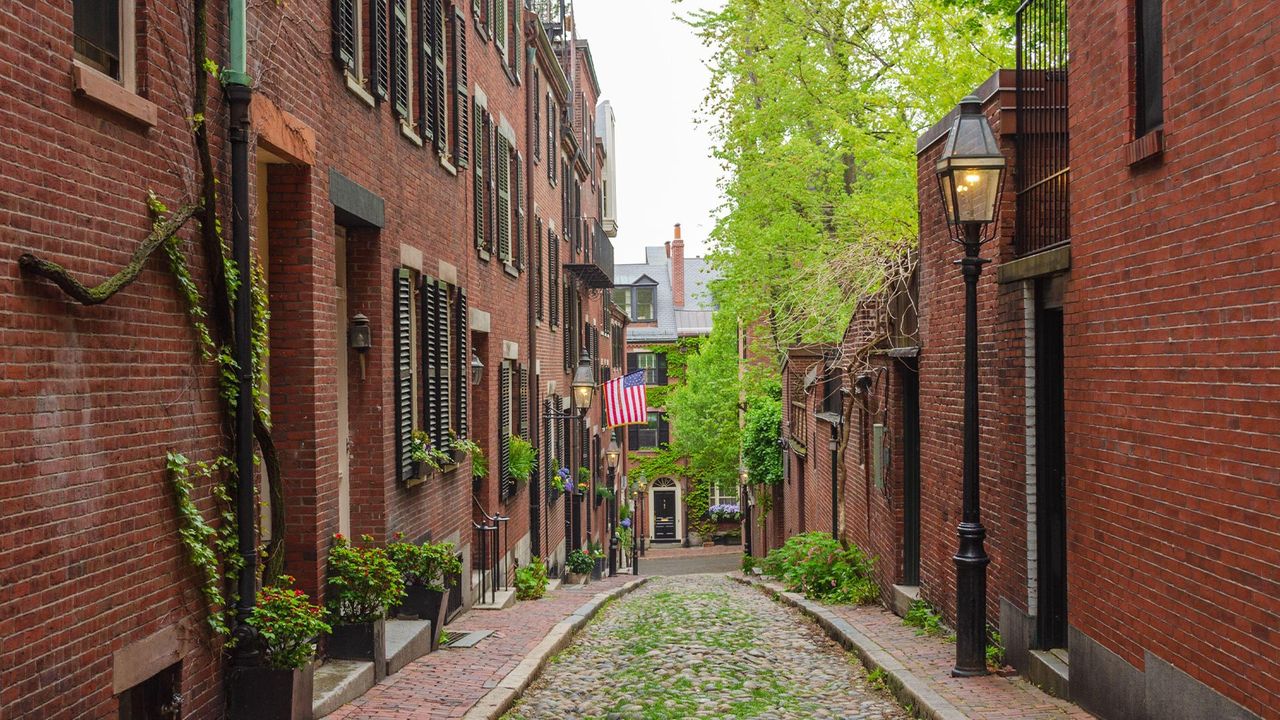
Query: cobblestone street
x,y
702,646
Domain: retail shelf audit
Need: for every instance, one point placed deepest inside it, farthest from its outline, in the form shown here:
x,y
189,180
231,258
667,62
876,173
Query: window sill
x,y
407,131
510,269
448,166
1145,148
484,254
356,86
93,85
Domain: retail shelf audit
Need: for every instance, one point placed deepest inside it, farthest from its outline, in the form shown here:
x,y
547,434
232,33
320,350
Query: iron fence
x,y
1042,169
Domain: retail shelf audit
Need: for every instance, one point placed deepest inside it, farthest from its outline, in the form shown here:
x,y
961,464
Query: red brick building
x,y
1126,347
401,176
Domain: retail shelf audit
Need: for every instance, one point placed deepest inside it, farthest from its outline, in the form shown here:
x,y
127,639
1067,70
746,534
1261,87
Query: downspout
x,y
237,87
538,495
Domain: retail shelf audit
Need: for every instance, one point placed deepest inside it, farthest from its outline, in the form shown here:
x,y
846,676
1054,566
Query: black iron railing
x,y
1042,174
596,267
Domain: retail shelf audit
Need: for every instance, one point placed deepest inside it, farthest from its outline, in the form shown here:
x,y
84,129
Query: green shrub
x,y
995,650
924,619
818,566
579,562
522,456
429,565
288,624
531,580
363,582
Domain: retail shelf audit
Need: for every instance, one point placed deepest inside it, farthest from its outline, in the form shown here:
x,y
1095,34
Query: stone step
x,y
1049,671
338,682
407,640
503,600
903,597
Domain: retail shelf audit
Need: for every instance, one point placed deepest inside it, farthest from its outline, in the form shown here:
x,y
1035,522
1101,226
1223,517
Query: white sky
x,y
651,66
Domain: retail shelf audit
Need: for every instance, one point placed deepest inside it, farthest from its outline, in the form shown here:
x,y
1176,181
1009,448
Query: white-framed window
x,y
648,362
642,310
104,32
723,494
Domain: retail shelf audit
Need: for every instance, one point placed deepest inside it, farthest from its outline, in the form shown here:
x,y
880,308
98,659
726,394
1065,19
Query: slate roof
x,y
693,319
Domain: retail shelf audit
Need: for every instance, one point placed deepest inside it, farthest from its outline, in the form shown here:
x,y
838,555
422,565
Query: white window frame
x,y
650,369
635,303
716,495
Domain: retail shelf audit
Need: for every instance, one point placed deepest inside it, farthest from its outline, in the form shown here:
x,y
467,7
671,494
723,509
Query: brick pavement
x,y
930,660
656,553
447,683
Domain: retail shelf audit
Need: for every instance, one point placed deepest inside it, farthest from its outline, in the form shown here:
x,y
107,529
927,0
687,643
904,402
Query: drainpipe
x,y
237,87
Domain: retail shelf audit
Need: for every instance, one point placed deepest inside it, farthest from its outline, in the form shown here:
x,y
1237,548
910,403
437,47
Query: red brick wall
x,y
1171,357
96,396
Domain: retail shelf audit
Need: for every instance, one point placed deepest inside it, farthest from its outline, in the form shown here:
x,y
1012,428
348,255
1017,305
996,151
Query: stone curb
x,y
500,699
905,685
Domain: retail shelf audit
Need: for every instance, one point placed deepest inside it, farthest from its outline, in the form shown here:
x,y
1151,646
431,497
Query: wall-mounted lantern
x,y
359,338
477,369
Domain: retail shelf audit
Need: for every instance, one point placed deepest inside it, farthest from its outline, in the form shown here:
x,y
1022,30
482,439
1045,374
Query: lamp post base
x,y
971,602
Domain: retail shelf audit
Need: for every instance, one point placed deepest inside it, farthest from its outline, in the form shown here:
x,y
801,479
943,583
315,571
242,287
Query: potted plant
x,y
521,457
281,688
461,447
603,492
596,551
584,480
560,482
727,512
425,454
579,565
427,571
363,583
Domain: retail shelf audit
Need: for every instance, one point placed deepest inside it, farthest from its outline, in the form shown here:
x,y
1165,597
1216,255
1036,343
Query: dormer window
x,y
635,301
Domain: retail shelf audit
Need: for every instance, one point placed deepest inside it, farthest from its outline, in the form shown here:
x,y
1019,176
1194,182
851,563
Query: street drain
x,y
464,639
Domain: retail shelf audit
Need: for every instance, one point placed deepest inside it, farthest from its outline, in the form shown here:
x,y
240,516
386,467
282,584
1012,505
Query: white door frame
x,y
665,484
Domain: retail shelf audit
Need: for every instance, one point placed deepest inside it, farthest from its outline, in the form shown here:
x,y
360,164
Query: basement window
x,y
159,697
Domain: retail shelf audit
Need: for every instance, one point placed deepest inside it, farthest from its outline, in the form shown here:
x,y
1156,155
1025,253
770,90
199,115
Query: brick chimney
x,y
676,253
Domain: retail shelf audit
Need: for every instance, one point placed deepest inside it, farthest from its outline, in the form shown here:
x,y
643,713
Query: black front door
x,y
910,474
1051,487
664,514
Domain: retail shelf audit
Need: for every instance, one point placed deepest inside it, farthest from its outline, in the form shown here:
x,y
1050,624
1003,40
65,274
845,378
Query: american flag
x,y
624,400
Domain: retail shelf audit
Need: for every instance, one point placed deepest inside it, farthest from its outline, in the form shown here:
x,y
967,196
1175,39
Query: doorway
x,y
344,403
909,373
1051,488
664,498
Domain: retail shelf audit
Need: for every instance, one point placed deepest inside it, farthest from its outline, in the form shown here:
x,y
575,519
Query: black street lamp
x,y
612,456
970,174
583,388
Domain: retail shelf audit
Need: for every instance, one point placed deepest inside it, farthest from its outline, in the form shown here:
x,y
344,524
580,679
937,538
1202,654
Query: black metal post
x,y
246,650
611,509
971,557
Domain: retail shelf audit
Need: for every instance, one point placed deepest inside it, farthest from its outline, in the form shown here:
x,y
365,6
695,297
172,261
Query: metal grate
x,y
1043,173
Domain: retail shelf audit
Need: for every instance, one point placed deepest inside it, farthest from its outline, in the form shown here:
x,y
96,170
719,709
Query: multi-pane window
x,y
643,308
648,362
622,298
1149,66
652,434
723,493
98,33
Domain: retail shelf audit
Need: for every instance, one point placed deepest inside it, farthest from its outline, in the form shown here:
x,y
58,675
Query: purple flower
x,y
626,522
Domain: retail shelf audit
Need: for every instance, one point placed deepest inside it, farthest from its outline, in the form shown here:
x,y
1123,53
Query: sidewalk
x,y
918,668
662,553
450,682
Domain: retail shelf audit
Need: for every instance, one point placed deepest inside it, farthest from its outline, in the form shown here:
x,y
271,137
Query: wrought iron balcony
x,y
595,267
1042,172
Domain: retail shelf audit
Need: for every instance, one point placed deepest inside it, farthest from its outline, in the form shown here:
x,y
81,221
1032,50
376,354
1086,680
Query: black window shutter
x,y
633,436
568,329
491,157
463,359
504,198
426,39
479,182
427,320
524,402
517,199
504,429
633,362
664,431
444,368
514,50
400,58
462,98
548,446
536,246
379,74
553,277
536,94
660,372
344,33
440,78
402,291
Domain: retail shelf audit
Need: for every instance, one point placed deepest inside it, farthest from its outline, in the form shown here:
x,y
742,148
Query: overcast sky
x,y
651,67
